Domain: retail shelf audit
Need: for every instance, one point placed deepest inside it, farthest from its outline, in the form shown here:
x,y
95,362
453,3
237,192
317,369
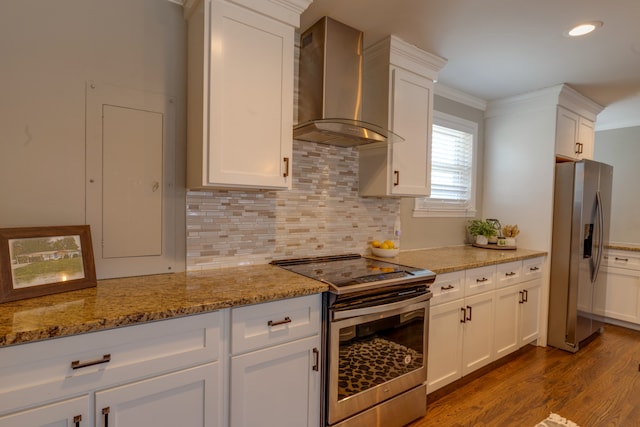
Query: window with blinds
x,y
452,168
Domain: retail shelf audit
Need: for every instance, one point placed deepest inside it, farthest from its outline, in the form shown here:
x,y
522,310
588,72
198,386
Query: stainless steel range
x,y
375,339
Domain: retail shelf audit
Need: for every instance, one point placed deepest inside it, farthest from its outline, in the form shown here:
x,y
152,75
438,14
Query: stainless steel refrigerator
x,y
582,207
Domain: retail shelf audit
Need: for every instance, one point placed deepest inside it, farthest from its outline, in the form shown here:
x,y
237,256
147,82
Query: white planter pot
x,y
510,241
482,240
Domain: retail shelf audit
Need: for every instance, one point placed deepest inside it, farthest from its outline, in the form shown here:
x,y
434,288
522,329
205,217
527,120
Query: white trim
x,y
459,96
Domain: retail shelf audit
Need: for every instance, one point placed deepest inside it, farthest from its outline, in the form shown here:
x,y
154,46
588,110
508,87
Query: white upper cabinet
x,y
240,93
398,94
575,135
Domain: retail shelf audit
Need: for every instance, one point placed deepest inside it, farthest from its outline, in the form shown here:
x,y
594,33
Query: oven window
x,y
375,352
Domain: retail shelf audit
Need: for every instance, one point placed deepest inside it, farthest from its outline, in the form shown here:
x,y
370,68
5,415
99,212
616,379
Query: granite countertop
x,y
127,301
624,247
454,258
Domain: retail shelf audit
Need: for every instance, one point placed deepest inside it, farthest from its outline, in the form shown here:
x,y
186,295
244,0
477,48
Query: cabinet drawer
x,y
532,268
48,370
508,273
622,259
447,287
479,280
262,325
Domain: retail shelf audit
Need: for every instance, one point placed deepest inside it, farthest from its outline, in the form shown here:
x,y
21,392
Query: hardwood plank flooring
x,y
598,386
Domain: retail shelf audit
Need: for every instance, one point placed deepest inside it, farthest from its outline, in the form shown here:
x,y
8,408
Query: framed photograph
x,y
36,261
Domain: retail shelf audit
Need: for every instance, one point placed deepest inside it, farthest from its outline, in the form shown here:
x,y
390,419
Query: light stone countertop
x,y
624,247
126,301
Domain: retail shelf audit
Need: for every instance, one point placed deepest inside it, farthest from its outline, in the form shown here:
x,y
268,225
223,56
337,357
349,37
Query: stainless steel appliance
x,y
375,339
330,88
582,206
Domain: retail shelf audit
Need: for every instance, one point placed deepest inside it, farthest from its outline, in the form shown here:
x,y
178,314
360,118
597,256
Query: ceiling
x,y
501,48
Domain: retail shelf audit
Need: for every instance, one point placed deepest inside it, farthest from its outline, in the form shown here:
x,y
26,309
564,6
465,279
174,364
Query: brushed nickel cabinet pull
x,y
484,279
76,364
464,315
286,167
279,322
397,180
469,316
316,358
77,420
525,294
105,414
521,299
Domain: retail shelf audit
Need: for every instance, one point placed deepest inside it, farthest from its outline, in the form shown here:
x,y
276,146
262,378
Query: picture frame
x,y
37,261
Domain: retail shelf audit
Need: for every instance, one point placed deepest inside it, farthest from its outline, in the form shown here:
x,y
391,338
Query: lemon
x,y
389,244
385,246
375,244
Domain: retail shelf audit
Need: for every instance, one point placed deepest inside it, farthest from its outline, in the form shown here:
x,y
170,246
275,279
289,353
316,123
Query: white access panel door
x,y
132,182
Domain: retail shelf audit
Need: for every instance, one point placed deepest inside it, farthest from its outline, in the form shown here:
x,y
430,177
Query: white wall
x,y
49,49
621,149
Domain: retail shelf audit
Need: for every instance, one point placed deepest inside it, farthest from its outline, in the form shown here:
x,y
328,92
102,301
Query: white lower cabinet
x,y
154,374
460,331
72,412
185,398
275,364
622,298
480,315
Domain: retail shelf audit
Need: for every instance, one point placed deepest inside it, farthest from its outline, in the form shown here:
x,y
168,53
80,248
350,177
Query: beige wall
x,y
436,232
621,149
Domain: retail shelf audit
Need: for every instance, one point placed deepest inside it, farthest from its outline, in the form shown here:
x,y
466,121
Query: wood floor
x,y
597,387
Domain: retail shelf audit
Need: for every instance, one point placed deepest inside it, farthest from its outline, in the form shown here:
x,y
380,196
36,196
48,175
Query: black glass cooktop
x,y
342,271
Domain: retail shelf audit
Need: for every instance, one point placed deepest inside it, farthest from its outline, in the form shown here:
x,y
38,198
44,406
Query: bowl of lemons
x,y
384,249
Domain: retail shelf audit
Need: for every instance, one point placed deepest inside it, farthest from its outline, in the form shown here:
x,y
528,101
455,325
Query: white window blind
x,y
453,152
451,164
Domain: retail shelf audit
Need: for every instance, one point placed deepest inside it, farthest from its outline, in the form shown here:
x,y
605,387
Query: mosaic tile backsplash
x,y
321,215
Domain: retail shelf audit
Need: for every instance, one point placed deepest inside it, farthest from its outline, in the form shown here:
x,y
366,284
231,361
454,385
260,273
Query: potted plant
x,y
481,230
510,232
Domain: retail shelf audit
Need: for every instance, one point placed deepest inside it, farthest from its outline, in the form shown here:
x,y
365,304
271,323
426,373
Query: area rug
x,y
555,420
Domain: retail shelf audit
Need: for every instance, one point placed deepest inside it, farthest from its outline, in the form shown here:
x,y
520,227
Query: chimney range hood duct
x,y
330,88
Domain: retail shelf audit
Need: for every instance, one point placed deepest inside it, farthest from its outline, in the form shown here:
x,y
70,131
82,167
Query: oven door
x,y
375,353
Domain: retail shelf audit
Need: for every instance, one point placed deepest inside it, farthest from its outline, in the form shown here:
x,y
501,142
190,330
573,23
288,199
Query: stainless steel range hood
x,y
330,88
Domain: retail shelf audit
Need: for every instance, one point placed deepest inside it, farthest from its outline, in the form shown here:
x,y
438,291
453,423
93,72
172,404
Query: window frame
x,y
428,207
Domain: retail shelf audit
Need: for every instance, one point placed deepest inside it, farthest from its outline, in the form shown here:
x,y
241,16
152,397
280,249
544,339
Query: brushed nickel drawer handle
x,y
510,274
76,364
279,322
622,259
534,268
484,279
446,288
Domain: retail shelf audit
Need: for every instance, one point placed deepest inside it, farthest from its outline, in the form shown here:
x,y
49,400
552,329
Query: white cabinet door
x,y
445,344
277,386
241,129
412,97
68,413
187,398
531,300
507,321
575,135
622,294
477,348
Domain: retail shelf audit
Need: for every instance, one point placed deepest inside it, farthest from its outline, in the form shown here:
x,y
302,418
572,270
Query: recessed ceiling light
x,y
584,28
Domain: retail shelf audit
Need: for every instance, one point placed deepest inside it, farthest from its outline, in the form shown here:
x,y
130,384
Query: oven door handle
x,y
344,314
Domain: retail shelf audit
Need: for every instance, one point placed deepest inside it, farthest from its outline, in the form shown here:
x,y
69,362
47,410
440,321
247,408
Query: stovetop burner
x,y
352,272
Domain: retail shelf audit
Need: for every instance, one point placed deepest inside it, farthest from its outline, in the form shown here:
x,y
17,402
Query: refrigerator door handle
x,y
600,219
